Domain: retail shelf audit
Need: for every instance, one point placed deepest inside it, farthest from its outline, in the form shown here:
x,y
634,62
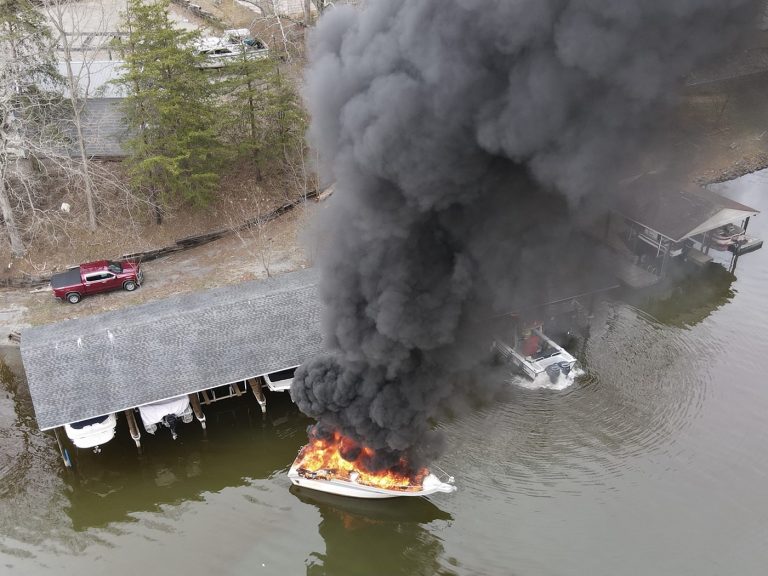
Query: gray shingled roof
x,y
103,125
677,211
101,364
104,128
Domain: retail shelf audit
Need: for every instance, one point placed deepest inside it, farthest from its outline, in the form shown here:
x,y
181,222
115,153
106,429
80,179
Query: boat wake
x,y
562,382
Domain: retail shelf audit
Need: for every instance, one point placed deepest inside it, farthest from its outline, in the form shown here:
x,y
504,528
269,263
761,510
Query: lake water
x,y
657,463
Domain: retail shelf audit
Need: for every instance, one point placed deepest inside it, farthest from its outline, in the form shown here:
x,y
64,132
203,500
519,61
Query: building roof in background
x,y
97,77
105,363
103,125
678,213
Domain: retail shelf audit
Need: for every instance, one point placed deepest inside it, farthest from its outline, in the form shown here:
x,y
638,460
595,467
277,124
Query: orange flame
x,y
324,457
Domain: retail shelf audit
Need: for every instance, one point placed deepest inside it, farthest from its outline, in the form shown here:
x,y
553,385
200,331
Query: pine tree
x,y
285,116
30,111
240,85
170,110
265,119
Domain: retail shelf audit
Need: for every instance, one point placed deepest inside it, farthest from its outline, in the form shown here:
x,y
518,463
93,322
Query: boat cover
x,y
153,413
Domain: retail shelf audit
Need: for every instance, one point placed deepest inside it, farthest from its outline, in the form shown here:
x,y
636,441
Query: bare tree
x,y
29,112
74,20
254,237
278,20
301,176
320,6
14,237
285,30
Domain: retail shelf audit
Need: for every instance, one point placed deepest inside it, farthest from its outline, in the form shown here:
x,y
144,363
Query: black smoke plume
x,y
463,135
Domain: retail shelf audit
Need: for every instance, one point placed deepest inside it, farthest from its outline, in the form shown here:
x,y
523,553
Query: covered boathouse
x,y
89,370
654,223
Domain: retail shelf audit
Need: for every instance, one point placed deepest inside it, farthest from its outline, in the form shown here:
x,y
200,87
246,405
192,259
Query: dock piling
x,y
258,392
63,451
133,427
198,410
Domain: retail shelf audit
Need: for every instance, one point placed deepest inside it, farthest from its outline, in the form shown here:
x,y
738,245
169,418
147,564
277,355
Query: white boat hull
x,y
542,381
94,435
431,485
535,372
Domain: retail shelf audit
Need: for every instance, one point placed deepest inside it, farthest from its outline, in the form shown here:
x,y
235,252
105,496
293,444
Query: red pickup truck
x,y
94,277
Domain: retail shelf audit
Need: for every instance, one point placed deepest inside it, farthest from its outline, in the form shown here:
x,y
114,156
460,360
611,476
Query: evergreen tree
x,y
170,110
240,85
265,119
30,111
284,116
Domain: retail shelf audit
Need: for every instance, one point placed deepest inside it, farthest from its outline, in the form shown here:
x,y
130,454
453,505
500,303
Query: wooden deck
x,y
634,276
697,257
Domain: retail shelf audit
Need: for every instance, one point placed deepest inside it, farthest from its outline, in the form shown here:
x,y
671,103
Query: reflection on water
x,y
240,445
645,382
687,296
391,536
651,464
31,492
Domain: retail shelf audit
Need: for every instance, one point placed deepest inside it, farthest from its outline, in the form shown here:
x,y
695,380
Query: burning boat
x,y
543,362
321,465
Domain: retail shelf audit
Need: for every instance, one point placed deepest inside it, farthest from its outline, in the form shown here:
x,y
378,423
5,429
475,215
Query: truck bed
x,y
69,278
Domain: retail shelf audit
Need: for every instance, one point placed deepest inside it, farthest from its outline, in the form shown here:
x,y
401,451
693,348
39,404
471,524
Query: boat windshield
x,y
89,422
545,351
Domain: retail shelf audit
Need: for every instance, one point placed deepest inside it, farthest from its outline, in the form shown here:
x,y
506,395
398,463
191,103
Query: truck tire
x,y
73,297
129,285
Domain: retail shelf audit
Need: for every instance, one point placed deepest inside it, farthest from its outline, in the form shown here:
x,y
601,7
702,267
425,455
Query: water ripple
x,y
645,383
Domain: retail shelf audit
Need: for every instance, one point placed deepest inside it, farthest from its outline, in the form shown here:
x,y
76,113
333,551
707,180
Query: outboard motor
x,y
565,368
169,420
553,371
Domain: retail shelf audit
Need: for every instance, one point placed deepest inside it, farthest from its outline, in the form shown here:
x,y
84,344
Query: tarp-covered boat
x,y
166,413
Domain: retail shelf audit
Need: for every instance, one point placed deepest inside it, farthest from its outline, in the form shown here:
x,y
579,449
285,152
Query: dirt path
x,y
273,250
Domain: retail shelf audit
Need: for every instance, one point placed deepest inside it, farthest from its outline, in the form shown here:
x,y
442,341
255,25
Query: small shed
x,y
102,364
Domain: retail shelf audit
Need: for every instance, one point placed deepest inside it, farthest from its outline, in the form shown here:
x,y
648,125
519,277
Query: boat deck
x,y
697,257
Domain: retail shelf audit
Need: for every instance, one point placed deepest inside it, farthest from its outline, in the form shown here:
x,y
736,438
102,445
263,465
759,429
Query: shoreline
x,y
14,318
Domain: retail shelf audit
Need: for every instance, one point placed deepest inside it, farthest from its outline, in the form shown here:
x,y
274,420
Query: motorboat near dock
x,y
92,433
539,359
353,485
166,413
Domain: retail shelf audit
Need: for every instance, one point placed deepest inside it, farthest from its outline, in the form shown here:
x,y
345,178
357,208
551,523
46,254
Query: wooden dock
x,y
633,275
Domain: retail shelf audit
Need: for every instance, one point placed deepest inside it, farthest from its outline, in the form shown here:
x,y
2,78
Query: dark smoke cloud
x,y
462,135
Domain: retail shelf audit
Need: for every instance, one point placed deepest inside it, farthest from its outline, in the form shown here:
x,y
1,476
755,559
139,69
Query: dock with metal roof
x,y
657,220
679,213
103,364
